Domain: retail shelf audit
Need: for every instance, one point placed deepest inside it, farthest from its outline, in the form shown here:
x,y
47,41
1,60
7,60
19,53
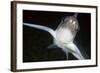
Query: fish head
x,y
71,23
67,29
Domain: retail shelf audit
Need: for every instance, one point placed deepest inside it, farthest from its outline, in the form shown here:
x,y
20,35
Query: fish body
x,y
66,31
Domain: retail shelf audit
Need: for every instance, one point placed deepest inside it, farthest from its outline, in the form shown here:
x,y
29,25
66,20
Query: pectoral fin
x,y
75,51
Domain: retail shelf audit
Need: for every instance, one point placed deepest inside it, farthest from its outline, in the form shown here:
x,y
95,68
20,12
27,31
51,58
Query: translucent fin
x,y
52,46
51,31
73,49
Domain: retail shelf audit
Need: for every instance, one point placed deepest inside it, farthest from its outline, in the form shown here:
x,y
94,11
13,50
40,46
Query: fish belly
x,y
64,36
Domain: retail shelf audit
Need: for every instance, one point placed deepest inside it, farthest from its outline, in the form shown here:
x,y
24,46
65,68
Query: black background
x,y
35,42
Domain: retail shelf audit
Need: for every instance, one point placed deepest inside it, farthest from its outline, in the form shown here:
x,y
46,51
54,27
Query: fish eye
x,y
74,22
70,20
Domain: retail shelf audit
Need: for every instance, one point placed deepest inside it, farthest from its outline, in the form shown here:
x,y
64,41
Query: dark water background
x,y
35,42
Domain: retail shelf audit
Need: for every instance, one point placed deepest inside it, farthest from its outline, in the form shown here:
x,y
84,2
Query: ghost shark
x,y
64,35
